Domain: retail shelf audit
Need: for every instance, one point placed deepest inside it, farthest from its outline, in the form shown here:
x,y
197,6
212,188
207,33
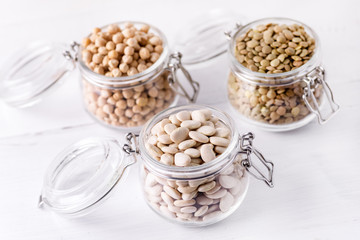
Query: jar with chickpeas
x,y
128,74
194,167
276,80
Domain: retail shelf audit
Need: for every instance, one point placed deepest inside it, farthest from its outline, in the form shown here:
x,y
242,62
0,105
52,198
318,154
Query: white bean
x,y
219,149
219,141
189,209
218,194
168,128
207,153
183,115
174,120
202,200
201,211
207,186
153,150
188,196
179,134
150,180
186,189
222,132
199,137
172,192
192,152
207,130
183,203
186,144
191,124
154,190
182,160
171,150
165,139
228,181
167,159
226,202
167,198
198,116
166,211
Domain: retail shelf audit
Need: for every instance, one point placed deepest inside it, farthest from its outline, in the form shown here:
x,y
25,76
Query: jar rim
x,y
266,77
177,172
157,67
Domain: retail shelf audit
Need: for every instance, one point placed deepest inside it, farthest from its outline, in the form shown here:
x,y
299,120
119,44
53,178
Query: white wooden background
x,y
317,168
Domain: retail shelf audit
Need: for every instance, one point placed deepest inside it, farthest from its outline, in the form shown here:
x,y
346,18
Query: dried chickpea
x,y
113,54
124,67
120,47
86,56
144,53
118,38
129,50
110,45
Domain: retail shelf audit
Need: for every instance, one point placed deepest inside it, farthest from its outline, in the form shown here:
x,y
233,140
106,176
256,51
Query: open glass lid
x,y
83,175
203,38
32,71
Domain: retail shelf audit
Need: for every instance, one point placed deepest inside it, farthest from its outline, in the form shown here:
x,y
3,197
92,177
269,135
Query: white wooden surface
x,y
317,168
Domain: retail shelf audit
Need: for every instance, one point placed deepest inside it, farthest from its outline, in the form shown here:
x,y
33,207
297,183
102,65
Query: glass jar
x,y
132,100
279,101
194,196
121,102
204,194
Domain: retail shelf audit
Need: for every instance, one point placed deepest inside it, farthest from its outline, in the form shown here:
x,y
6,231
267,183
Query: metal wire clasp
x,y
72,54
175,64
313,80
247,149
229,34
132,146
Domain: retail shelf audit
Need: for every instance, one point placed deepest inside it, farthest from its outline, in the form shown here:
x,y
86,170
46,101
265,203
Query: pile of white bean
x,y
190,139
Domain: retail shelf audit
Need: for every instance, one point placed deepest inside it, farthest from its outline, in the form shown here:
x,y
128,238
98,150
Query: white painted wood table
x,y
317,168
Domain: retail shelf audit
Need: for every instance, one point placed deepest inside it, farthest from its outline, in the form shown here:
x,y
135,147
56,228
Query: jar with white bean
x,y
195,168
195,165
128,74
276,81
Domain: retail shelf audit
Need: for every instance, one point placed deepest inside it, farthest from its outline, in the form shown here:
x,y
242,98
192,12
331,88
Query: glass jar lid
x,y
83,175
203,38
32,71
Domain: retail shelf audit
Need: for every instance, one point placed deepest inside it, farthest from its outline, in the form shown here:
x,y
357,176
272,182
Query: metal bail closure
x,y
132,146
174,65
315,85
72,53
247,149
230,33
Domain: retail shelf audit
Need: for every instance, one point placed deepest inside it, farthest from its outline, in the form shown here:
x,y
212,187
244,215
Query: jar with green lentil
x,y
128,74
276,80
